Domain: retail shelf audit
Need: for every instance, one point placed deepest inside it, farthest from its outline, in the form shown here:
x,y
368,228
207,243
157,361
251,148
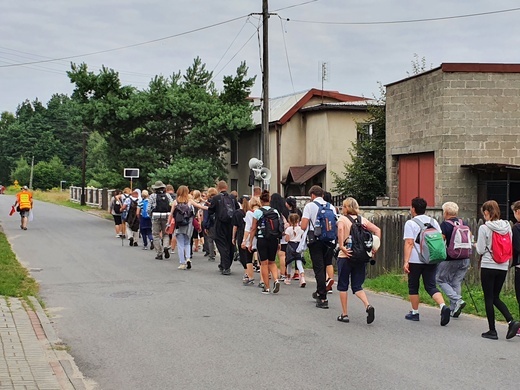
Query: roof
x,y
301,174
492,167
281,109
453,67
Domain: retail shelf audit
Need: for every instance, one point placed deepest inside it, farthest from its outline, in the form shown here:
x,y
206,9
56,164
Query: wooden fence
x,y
390,255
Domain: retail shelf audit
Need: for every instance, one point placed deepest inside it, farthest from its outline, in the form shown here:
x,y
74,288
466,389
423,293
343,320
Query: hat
x,y
158,184
376,243
25,188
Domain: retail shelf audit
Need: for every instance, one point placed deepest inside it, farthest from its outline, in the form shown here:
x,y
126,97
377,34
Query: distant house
x,y
453,134
310,135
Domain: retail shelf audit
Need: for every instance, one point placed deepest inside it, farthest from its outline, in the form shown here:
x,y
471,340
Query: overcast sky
x,y
358,55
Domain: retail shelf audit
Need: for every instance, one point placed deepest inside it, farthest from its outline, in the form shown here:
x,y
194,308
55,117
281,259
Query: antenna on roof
x,y
324,76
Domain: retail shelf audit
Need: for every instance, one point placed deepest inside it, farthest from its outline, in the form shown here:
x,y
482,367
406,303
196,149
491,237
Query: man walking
x,y
321,251
159,206
450,273
24,204
223,206
415,268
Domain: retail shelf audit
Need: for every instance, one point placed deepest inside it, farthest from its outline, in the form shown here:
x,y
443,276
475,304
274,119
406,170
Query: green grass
x,y
398,285
14,278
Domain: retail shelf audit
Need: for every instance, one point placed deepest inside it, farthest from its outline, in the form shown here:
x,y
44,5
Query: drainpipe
x,y
278,158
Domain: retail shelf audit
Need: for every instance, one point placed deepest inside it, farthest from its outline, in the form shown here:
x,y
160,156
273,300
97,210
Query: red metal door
x,y
416,178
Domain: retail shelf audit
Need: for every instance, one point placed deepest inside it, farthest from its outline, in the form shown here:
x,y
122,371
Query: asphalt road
x,y
133,322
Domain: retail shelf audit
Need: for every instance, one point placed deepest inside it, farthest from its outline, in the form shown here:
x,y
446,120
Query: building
x,y
453,134
310,137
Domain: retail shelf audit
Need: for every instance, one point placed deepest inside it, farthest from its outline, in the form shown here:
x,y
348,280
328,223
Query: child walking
x,y
293,236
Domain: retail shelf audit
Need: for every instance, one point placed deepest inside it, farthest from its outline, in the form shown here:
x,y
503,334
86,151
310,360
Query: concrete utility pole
x,y
265,85
83,168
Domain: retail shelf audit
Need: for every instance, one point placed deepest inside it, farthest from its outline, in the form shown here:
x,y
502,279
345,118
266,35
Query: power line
x,y
231,44
287,55
128,46
407,21
296,5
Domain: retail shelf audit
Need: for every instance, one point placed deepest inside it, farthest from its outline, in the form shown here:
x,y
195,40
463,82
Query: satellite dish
x,y
265,174
255,163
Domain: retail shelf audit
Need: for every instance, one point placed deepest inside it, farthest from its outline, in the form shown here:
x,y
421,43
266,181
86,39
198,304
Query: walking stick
x,y
470,295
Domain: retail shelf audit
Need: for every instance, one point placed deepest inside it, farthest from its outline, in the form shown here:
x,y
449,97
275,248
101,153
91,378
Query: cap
x,y
25,188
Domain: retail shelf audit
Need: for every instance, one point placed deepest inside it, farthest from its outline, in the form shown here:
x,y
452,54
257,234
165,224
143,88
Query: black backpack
x,y
117,206
162,204
182,214
226,208
362,241
270,224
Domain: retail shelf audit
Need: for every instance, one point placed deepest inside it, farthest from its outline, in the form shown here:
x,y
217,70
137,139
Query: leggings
x,y
517,287
492,281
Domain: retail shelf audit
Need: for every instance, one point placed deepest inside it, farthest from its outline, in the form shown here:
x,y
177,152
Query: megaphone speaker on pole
x,y
265,174
255,163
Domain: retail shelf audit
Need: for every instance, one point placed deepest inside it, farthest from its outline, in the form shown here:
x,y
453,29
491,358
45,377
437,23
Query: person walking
x,y
208,224
493,273
24,204
266,244
245,257
145,222
293,237
115,211
352,270
278,203
415,268
451,273
321,251
223,206
249,241
516,252
183,213
159,207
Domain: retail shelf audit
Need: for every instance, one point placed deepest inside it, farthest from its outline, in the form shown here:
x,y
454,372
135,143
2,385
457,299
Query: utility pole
x,y
31,176
83,167
265,84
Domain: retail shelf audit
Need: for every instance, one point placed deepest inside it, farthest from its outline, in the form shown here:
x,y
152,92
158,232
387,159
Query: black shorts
x,y
117,219
283,247
24,212
267,248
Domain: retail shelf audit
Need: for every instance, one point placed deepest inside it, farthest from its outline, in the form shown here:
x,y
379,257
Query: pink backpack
x,y
501,247
459,246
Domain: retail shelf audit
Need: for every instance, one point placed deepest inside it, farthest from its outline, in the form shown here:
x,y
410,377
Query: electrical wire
x,y
231,44
232,58
287,56
127,46
407,21
296,5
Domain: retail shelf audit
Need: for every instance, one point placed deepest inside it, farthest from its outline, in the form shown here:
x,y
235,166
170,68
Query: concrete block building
x,y
453,134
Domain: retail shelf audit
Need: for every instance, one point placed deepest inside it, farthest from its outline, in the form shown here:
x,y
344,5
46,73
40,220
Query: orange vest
x,y
24,199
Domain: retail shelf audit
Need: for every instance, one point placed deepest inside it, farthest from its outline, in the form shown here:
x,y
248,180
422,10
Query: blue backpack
x,y
325,228
144,209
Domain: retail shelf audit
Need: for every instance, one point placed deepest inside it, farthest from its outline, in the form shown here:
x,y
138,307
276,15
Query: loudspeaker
x,y
265,174
255,163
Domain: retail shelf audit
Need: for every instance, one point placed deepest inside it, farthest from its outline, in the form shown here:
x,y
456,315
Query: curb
x,y
67,372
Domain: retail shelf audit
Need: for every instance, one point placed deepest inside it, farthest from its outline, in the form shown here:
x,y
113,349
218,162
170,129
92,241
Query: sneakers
x,y
152,247
276,286
158,257
445,315
226,271
248,282
512,329
371,314
282,278
135,243
265,291
131,241
188,264
458,308
412,317
322,303
261,285
182,266
343,318
287,281
302,282
518,333
490,334
211,258
315,295
166,253
296,276
329,283
144,248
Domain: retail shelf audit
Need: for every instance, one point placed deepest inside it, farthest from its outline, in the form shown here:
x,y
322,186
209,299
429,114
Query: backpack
x,y
124,214
459,246
362,241
144,209
226,209
325,228
271,223
182,214
132,219
431,243
117,206
162,204
502,247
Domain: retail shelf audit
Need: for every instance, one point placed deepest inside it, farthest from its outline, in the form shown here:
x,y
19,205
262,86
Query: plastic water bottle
x,y
349,242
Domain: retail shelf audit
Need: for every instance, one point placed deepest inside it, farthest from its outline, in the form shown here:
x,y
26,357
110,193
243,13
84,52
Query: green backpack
x,y
431,243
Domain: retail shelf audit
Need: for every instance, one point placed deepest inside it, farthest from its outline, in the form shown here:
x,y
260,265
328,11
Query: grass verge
x,y
14,278
396,284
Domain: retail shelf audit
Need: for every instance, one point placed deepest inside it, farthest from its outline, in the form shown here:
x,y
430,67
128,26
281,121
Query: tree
x,y
49,174
21,172
365,177
196,173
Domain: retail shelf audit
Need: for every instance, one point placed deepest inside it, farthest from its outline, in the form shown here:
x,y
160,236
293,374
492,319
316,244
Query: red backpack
x,y
501,247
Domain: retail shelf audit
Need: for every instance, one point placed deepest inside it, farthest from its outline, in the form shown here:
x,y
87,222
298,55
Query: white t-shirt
x,y
310,211
295,233
412,230
248,219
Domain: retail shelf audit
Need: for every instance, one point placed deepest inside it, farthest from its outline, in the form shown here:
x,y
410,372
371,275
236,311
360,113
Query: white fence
x,y
94,197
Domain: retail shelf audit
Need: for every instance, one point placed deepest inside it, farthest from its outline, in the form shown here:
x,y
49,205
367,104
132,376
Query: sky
x,y
364,44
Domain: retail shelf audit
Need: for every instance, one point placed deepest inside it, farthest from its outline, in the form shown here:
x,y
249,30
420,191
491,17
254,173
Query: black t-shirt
x,y
516,244
238,221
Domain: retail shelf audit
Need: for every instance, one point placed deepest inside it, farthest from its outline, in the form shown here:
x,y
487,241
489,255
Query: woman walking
x,y
516,252
350,269
493,273
245,257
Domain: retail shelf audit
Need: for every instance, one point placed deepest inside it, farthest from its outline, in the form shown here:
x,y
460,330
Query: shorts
x,y
350,273
24,212
283,247
267,248
117,219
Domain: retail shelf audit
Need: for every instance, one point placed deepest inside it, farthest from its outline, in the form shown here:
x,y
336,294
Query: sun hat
x,y
376,243
25,188
158,184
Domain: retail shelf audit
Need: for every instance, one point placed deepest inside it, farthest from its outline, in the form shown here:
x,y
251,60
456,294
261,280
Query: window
x,y
234,151
234,184
365,131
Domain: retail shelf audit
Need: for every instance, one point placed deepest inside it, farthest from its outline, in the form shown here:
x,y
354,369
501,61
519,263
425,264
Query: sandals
x,y
343,318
